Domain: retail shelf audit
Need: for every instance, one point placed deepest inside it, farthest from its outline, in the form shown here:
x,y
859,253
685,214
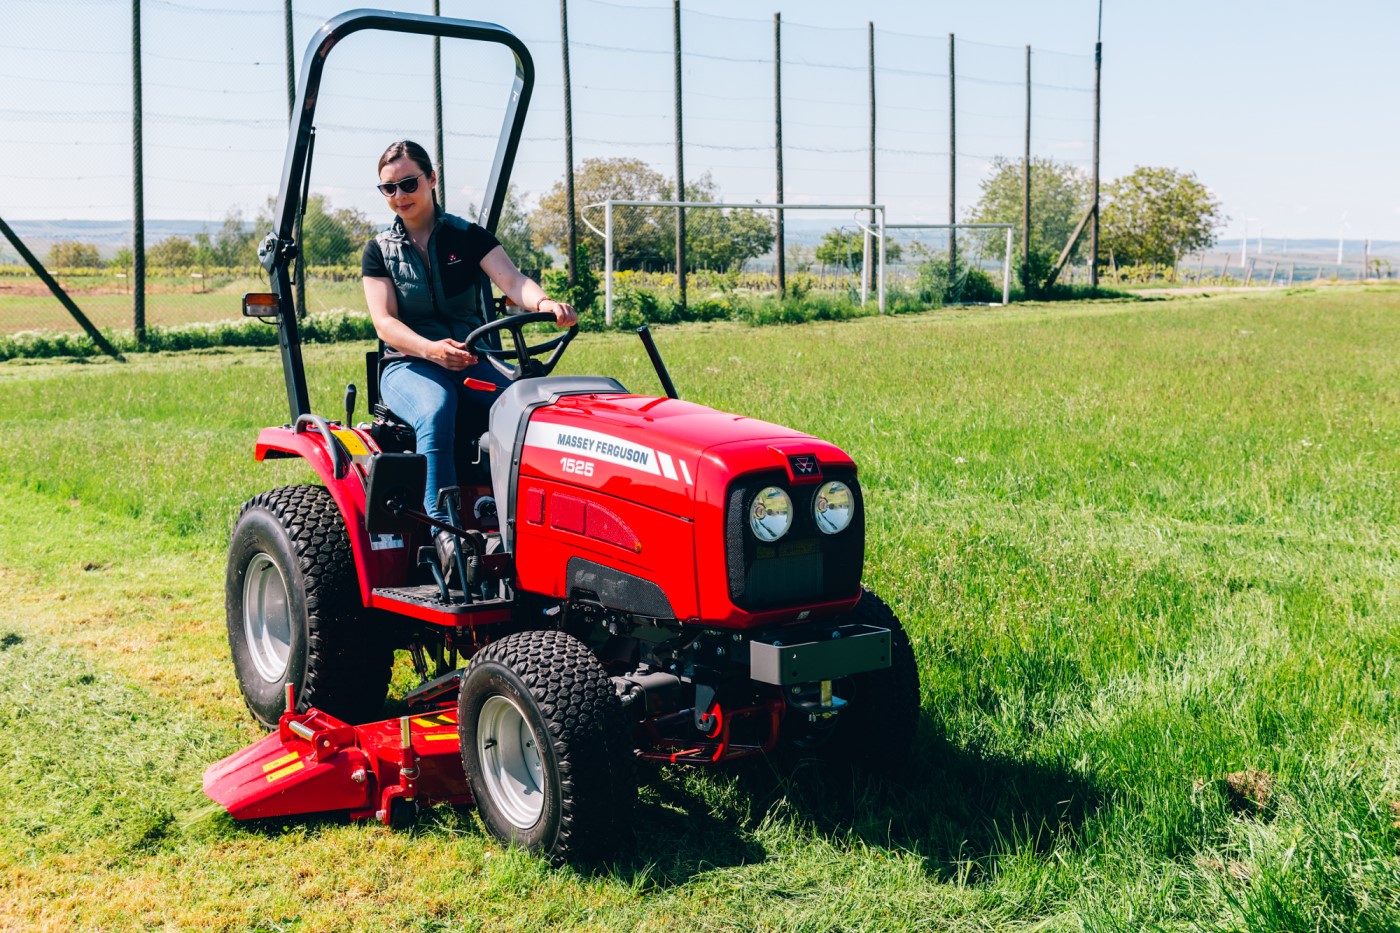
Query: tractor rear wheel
x,y
545,746
875,732
294,612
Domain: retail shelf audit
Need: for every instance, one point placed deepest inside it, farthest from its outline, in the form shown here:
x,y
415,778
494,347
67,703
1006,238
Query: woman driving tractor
x,y
421,283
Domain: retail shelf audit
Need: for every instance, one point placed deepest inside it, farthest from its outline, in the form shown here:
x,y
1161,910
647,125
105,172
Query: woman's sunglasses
x,y
409,185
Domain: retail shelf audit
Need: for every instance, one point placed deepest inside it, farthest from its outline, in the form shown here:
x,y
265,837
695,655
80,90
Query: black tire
x,y
299,620
576,790
875,732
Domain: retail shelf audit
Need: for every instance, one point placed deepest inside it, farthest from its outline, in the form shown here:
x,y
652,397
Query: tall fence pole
x,y
1026,284
1094,230
569,146
680,160
439,154
778,142
952,161
867,244
290,54
138,197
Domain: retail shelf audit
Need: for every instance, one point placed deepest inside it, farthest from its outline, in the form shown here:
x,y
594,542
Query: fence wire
x,y
215,110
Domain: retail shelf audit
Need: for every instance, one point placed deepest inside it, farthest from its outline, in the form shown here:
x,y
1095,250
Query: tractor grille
x,y
805,565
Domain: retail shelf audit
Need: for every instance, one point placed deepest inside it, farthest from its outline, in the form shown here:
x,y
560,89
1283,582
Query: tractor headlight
x,y
833,507
770,515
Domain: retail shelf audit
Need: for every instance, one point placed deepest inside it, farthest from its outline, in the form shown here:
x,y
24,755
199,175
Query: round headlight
x,y
833,507
770,515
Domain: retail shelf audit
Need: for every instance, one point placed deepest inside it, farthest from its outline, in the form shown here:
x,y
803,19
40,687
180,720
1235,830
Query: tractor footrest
x,y
428,596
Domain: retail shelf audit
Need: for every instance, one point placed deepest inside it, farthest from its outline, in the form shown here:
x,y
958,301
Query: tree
x,y
1059,197
516,234
845,247
639,237
236,244
718,238
67,254
1154,215
329,237
171,254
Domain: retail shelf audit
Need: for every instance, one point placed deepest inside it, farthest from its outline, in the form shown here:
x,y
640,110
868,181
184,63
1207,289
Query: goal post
x,y
953,230
609,232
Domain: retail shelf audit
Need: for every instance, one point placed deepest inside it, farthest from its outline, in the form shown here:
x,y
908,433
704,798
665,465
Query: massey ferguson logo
x,y
803,465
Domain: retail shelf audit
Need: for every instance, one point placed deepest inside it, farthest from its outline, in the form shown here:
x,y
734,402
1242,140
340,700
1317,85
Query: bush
x,y
67,254
584,292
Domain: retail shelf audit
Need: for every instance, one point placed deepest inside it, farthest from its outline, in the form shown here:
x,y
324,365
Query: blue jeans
x,y
426,396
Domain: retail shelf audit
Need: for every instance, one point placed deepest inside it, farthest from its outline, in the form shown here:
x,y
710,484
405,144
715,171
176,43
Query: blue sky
x,y
1284,109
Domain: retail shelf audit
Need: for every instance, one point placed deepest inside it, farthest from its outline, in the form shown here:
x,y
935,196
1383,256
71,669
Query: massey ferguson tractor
x,y
638,579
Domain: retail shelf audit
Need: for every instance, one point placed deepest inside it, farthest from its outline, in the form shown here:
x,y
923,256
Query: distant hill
x,y
111,235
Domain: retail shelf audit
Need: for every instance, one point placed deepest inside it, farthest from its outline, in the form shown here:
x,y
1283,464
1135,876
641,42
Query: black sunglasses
x,y
409,185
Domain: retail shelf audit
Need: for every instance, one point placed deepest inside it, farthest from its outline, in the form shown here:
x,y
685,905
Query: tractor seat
x,y
395,435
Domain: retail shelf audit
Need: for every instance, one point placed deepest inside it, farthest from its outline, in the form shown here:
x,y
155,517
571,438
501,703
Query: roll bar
x,y
279,247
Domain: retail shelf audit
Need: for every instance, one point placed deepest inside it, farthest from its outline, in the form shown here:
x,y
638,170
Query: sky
x,y
1284,109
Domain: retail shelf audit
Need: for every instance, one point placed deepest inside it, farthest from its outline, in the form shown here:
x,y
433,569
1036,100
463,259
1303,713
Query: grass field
x,y
1146,552
25,304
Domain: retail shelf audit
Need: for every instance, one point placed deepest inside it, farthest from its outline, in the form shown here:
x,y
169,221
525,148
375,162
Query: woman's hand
x,y
564,315
450,354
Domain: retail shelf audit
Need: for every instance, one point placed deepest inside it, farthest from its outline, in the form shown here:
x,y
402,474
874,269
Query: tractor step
x,y
314,763
428,596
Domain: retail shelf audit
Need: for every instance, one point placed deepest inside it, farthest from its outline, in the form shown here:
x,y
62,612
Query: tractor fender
x,y
382,562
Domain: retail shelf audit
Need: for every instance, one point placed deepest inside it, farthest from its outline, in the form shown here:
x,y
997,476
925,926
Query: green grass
x,y
168,304
1138,547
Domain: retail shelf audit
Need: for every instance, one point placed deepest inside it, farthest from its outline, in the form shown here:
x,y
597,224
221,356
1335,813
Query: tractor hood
x,y
665,453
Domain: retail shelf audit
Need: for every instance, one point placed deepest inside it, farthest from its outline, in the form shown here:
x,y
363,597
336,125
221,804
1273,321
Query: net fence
x,y
215,109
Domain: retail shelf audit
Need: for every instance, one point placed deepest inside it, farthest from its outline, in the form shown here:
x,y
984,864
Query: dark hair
x,y
407,148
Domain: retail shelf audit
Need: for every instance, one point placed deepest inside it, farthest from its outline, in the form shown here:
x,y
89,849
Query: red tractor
x,y
639,579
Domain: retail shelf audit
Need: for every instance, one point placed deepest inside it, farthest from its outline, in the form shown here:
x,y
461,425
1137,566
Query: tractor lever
x,y
644,332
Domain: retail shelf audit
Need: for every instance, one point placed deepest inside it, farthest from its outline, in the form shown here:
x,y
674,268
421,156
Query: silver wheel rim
x,y
510,761
267,619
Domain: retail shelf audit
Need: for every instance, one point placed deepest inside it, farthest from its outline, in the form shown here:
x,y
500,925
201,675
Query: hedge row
x,y
632,308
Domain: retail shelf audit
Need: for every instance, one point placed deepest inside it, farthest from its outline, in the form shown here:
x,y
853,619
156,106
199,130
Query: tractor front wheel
x,y
294,612
545,746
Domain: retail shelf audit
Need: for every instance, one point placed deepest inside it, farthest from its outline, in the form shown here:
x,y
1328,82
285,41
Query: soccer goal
x,y
976,251
646,228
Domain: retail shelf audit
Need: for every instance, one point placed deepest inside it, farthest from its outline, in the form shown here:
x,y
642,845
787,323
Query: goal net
x,y
735,246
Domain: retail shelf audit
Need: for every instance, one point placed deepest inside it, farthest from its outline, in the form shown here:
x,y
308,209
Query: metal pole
x,y
952,162
1026,192
881,280
291,57
437,115
1006,270
138,224
569,149
778,142
607,262
865,254
26,256
1094,230
680,160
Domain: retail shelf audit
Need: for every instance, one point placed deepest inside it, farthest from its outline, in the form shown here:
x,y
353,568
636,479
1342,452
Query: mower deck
x,y
314,763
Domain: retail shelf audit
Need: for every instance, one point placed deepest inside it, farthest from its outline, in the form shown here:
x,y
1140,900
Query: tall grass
x,y
1138,547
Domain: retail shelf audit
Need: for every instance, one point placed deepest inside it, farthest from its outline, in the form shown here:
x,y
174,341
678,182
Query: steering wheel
x,y
527,365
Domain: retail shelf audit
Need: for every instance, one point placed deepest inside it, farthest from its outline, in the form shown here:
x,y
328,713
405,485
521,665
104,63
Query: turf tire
x,y
585,768
335,659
